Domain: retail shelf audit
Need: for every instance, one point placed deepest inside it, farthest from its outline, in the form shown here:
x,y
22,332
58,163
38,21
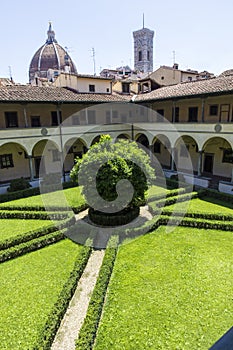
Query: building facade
x,y
179,124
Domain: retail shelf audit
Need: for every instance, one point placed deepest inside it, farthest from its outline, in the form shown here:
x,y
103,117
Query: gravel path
x,y
77,309
76,312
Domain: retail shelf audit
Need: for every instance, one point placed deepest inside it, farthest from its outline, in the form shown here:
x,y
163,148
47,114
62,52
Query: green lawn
x,y
72,195
170,291
14,227
203,205
29,286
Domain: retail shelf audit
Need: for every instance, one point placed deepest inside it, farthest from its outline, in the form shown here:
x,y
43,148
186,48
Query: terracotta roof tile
x,y
214,86
28,93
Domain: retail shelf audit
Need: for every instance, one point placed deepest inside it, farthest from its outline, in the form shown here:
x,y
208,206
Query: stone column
x,y
31,168
199,166
172,159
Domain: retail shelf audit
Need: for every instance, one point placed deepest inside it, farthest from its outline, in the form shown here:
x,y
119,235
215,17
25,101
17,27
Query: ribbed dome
x,y
50,59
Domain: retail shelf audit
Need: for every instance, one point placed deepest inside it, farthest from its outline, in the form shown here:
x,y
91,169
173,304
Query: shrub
x,y
106,164
18,184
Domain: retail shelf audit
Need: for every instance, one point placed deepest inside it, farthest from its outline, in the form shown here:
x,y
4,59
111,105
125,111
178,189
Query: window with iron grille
x,y
6,161
11,119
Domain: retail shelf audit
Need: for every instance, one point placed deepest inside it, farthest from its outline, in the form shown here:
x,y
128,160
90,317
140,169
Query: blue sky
x,y
200,32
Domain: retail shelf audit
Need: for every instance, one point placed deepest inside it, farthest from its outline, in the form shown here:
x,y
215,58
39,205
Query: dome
x,y
226,73
50,60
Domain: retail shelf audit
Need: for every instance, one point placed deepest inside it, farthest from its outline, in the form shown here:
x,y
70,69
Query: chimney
x,y
175,66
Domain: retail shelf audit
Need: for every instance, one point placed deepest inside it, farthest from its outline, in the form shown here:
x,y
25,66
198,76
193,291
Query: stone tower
x,y
143,49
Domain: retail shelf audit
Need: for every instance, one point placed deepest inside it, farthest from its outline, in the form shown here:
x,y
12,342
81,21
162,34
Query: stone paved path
x,y
76,312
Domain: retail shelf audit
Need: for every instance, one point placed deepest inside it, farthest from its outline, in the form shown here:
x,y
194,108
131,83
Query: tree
x,y
114,176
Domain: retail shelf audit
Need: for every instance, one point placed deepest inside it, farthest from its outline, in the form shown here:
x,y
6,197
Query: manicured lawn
x,y
29,286
14,227
170,291
72,195
157,191
204,205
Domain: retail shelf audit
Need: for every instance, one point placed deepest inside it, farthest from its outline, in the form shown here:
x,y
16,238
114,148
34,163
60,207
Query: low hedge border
x,y
89,328
28,236
33,215
196,223
196,215
40,208
48,332
10,196
225,197
171,193
31,246
113,219
172,200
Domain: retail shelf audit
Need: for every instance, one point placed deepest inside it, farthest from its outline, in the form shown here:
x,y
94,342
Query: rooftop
x,y
28,93
213,86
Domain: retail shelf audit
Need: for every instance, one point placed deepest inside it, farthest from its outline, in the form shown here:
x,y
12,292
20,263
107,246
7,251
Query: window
x,y
190,78
11,119
54,118
213,110
157,147
160,111
35,120
91,88
125,88
91,117
177,114
227,156
115,114
140,55
108,117
6,161
75,120
224,113
160,115
107,89
193,114
184,151
56,155
148,55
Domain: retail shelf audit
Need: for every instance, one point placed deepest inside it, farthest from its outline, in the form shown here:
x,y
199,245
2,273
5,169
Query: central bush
x,y
114,179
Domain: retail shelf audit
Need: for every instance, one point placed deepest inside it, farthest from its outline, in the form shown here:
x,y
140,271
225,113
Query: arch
x,y
161,149
142,139
123,136
95,140
187,155
46,158
14,161
73,148
217,158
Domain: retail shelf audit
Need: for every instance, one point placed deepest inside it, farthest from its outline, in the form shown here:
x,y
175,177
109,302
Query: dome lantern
x,y
50,59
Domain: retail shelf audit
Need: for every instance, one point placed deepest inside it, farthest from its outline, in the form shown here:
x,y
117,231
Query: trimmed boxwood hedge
x,y
89,328
31,245
48,332
33,215
10,242
113,219
10,196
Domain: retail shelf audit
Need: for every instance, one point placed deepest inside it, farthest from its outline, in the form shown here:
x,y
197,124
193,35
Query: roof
x,y
50,56
39,94
214,86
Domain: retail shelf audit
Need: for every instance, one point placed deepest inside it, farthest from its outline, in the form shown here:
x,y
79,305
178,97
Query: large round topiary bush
x,y
114,179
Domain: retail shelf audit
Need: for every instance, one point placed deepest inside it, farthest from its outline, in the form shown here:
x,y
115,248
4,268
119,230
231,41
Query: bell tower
x,y
143,49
